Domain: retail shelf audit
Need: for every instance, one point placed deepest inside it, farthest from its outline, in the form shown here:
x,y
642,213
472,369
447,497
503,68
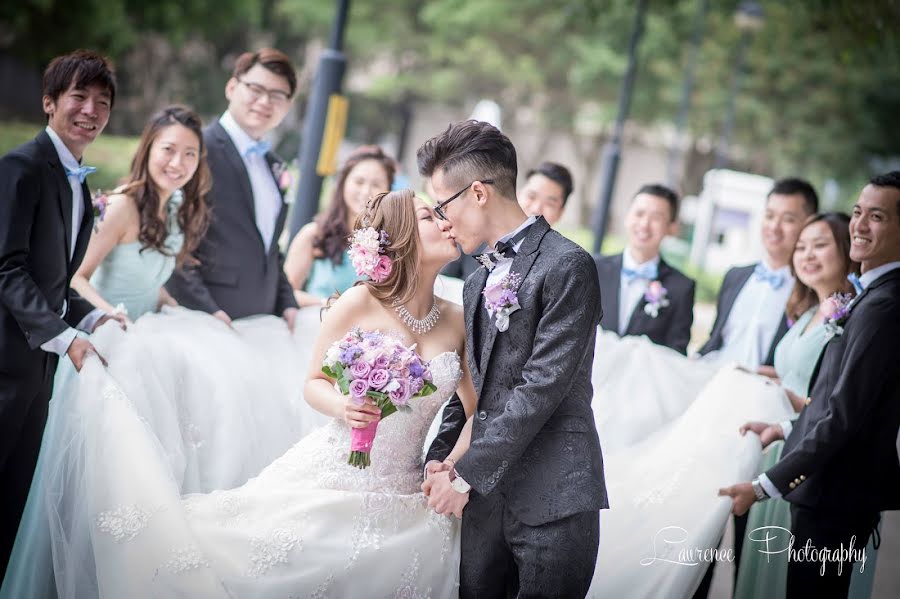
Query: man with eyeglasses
x,y
240,272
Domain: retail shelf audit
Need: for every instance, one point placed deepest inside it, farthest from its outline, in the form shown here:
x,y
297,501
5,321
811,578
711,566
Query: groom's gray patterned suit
x,y
534,462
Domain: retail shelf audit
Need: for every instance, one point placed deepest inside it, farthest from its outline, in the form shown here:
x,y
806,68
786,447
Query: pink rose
x,y
358,388
284,181
378,378
382,269
360,369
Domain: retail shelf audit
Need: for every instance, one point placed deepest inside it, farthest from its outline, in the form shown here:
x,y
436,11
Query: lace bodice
x,y
320,459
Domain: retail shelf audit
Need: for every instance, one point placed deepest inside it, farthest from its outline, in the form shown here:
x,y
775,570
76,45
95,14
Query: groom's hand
x,y
432,468
742,497
78,351
443,499
768,433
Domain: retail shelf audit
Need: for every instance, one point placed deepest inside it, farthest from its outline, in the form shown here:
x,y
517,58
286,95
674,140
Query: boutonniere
x,y
836,310
501,299
489,260
656,297
282,176
99,202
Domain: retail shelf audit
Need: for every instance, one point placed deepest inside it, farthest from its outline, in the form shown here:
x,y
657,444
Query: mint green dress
x,y
765,576
326,277
129,277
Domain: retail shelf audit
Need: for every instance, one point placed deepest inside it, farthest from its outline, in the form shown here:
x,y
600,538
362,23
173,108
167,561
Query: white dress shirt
x,y
267,199
60,344
501,269
631,290
754,320
865,280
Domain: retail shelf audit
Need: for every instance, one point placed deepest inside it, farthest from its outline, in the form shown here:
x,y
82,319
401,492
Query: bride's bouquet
x,y
377,365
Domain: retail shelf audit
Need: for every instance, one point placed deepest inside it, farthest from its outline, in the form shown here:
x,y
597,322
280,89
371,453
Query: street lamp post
x,y
612,152
749,19
329,75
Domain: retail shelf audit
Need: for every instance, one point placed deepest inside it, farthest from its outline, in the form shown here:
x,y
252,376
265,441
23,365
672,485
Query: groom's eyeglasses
x,y
439,208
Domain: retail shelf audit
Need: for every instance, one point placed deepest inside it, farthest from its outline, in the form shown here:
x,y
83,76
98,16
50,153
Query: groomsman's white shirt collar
x,y
504,264
267,199
631,290
870,276
60,344
754,320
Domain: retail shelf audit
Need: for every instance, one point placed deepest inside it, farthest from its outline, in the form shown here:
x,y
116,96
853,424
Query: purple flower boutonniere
x,y
836,310
282,176
501,299
99,203
656,297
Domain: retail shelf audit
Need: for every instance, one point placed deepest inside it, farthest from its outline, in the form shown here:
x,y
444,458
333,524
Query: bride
x,y
309,523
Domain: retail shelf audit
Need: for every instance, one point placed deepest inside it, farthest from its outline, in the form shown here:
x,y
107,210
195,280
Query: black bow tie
x,y
502,250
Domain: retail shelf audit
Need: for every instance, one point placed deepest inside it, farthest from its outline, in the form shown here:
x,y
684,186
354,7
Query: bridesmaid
x,y
820,265
317,264
152,223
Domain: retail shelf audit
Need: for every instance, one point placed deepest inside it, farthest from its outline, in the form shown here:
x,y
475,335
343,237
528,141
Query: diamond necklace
x,y
419,327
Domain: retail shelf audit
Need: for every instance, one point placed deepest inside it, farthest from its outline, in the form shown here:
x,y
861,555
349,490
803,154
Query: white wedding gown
x,y
308,525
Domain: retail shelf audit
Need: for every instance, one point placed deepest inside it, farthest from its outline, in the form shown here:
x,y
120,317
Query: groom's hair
x,y
471,151
83,68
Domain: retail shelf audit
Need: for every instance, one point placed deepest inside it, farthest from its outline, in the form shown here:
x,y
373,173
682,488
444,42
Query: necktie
x,y
502,250
648,272
857,284
774,279
81,172
260,147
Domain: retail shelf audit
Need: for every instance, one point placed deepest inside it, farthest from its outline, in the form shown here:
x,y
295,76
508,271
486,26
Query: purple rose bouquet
x,y
377,365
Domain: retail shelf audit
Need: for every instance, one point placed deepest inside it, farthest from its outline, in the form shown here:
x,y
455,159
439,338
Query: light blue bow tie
x,y
81,172
774,279
857,284
260,147
648,271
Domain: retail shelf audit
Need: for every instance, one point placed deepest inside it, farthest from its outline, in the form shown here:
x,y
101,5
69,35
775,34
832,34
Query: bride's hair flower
x,y
367,247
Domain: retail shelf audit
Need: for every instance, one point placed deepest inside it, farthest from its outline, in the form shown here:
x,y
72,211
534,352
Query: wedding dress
x,y
307,525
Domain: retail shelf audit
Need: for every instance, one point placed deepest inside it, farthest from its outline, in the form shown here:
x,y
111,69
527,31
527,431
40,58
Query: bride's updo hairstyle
x,y
394,212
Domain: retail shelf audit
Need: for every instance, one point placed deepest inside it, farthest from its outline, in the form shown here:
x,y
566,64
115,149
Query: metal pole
x,y
329,76
725,140
685,104
612,151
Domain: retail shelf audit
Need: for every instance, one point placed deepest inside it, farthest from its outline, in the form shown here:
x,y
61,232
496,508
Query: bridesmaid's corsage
x,y
656,297
501,299
836,310
99,202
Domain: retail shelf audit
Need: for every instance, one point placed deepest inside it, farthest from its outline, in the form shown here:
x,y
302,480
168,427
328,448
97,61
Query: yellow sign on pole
x,y
335,126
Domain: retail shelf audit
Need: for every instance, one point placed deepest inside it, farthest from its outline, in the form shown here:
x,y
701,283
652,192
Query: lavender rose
x,y
360,369
378,378
400,395
358,388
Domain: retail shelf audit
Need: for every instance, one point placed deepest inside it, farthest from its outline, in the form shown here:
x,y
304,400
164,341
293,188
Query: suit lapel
x,y
471,290
521,265
84,228
730,295
638,314
613,286
64,195
237,166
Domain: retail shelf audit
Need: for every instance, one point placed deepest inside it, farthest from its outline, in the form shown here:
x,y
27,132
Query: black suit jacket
x,y
534,440
35,267
841,455
236,273
671,327
734,281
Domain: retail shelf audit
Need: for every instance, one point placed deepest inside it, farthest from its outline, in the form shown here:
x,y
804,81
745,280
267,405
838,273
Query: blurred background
x,y
714,98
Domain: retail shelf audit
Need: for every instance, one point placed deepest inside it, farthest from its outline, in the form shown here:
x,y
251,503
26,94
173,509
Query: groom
x,y
45,224
532,480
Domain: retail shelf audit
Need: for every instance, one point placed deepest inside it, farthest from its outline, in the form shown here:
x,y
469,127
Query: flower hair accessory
x,y
367,247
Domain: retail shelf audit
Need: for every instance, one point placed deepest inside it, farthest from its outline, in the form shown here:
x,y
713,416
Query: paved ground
x,y
887,569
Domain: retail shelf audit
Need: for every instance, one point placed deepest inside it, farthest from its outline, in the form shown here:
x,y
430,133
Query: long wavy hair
x,y
193,214
395,213
331,237
803,297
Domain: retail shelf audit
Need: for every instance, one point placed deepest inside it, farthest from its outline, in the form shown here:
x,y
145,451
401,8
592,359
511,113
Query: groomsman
x,y
840,466
240,271
750,317
546,191
641,294
45,224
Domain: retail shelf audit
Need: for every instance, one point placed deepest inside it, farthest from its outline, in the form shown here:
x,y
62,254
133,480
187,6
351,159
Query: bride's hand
x,y
361,415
